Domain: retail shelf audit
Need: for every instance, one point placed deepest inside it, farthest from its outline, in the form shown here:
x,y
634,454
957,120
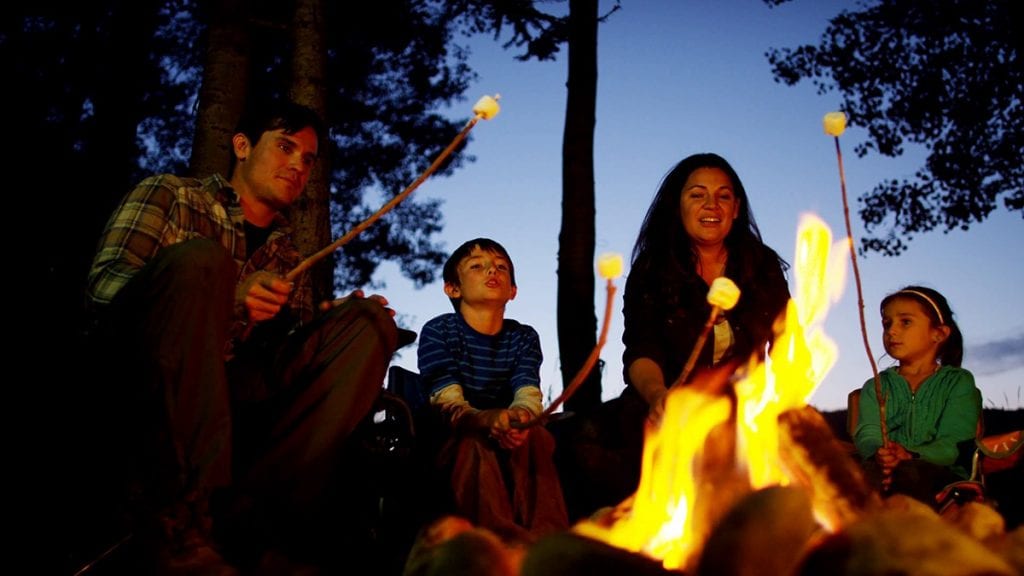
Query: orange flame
x,y
661,522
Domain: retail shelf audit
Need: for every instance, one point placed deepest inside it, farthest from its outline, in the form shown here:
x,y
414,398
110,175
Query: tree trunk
x,y
311,213
223,91
577,322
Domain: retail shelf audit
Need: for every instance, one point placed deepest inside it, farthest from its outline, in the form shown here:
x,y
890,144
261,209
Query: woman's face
x,y
708,206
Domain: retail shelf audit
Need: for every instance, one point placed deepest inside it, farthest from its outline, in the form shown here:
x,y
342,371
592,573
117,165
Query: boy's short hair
x,y
450,272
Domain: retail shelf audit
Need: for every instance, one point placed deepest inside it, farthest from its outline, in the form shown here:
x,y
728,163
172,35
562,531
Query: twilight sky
x,y
676,78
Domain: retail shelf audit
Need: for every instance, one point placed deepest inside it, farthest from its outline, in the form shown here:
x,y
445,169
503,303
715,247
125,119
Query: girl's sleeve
x,y
867,436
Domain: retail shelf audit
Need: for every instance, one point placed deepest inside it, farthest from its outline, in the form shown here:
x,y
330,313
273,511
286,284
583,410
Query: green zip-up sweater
x,y
931,422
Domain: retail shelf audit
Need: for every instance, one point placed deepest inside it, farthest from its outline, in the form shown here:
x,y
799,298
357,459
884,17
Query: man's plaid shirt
x,y
166,209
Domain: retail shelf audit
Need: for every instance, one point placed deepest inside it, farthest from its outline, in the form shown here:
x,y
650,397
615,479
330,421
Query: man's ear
x,y
515,291
451,290
240,146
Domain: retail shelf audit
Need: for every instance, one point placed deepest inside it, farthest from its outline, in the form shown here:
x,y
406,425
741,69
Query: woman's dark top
x,y
665,309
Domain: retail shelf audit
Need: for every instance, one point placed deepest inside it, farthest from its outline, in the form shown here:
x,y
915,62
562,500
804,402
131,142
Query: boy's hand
x,y
512,438
328,304
261,295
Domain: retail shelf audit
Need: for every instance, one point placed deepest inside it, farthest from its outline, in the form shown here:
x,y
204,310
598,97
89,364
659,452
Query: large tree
x,y
945,75
577,324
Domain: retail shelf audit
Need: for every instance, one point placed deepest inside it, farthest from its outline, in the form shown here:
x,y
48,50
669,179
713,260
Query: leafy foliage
x,y
945,75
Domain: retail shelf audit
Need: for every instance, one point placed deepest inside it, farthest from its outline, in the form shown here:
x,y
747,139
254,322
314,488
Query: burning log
x,y
567,553
815,459
908,542
765,533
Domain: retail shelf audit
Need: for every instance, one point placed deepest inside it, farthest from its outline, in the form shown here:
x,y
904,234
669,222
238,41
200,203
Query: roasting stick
x,y
722,295
486,108
835,125
610,267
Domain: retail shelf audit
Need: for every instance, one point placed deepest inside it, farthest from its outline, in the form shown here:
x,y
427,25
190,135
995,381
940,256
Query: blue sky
x,y
676,78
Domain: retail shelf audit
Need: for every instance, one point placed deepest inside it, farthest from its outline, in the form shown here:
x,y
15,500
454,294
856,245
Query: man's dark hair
x,y
272,115
451,266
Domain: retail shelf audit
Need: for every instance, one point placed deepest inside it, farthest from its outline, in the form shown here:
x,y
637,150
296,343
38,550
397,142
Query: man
x,y
243,390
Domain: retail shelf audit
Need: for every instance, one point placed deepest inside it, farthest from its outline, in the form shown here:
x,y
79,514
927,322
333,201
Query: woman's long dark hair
x,y
663,243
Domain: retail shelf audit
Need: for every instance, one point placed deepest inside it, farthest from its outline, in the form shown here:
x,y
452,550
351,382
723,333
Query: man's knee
x,y
365,316
200,261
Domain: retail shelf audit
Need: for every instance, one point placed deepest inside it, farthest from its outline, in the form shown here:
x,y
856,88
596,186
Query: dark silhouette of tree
x,y
577,323
944,75
225,58
542,34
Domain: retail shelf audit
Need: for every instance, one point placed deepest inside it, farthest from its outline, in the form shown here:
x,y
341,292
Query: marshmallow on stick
x,y
835,124
722,295
609,266
487,107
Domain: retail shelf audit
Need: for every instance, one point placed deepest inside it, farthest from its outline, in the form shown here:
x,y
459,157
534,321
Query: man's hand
x,y
261,295
328,304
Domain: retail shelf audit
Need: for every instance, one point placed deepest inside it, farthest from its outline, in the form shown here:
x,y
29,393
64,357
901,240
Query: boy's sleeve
x,y
529,398
438,372
451,402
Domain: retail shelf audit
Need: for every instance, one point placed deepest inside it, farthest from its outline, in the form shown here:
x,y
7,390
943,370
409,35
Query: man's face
x,y
275,169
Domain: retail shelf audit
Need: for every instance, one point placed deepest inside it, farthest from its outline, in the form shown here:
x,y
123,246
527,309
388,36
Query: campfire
x,y
742,466
744,477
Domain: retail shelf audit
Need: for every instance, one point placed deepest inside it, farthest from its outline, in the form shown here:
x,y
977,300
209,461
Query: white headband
x,y
930,301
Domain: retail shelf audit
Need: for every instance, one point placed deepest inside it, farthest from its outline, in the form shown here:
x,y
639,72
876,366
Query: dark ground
x,y
89,508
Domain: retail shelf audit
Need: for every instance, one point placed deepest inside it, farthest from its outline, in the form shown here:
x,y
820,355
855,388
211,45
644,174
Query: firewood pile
x,y
827,521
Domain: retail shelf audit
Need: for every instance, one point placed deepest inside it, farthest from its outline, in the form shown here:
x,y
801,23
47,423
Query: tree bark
x,y
223,91
311,213
577,322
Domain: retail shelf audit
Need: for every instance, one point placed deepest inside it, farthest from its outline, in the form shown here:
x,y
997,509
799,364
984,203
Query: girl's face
x,y
908,333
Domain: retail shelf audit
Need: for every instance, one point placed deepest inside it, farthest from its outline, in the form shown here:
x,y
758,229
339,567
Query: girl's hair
x,y
664,242
935,306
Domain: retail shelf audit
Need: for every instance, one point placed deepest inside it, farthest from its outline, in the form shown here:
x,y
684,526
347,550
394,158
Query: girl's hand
x,y
888,457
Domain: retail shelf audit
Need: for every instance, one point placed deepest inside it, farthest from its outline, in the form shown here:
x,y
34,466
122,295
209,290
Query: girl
x,y
932,405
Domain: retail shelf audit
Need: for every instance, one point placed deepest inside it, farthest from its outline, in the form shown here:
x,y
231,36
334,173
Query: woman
x,y
699,227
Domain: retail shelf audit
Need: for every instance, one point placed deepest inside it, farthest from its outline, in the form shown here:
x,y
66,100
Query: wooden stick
x,y
697,347
584,370
311,260
860,301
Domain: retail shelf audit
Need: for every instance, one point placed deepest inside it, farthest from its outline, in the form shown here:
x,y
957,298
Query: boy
x,y
483,373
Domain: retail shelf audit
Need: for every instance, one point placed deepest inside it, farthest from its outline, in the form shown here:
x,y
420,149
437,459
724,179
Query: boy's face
x,y
484,277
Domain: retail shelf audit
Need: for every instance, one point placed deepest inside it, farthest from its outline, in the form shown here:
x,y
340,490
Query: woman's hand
x,y
657,410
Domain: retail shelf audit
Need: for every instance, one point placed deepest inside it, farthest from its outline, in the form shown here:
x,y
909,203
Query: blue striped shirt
x,y
488,368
